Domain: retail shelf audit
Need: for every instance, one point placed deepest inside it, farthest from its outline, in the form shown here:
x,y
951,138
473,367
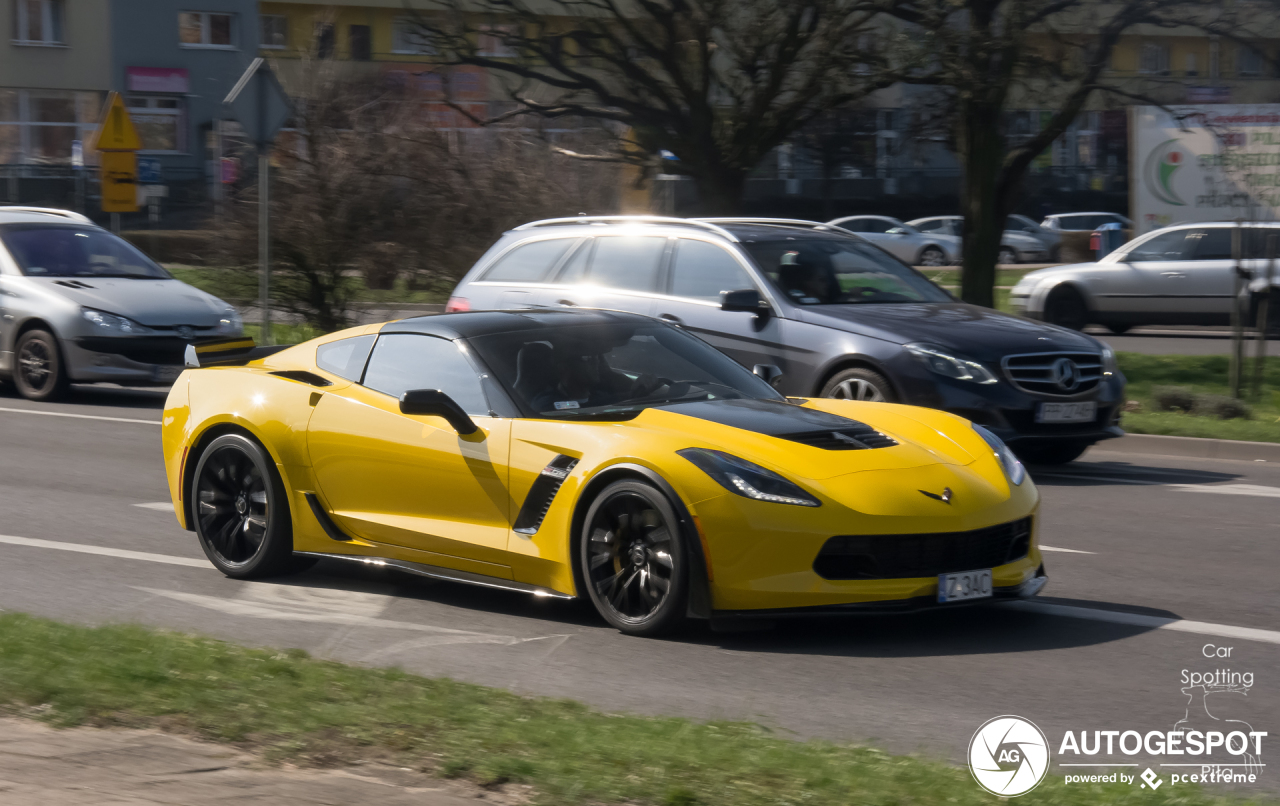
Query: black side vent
x,y
326,523
541,494
303,376
843,439
72,283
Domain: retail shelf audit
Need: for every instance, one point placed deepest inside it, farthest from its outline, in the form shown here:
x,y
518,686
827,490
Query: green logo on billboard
x,y
1162,163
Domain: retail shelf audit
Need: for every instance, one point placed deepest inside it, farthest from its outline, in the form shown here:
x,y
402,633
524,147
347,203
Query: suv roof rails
x,y
53,211
782,222
702,224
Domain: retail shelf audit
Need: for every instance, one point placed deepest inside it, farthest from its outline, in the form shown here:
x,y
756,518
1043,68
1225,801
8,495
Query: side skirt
x,y
446,574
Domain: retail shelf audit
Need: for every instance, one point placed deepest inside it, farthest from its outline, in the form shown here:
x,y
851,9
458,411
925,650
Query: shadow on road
x,y
1088,474
124,397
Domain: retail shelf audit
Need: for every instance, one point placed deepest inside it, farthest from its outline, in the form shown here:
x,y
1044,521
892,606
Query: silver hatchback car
x,y
80,304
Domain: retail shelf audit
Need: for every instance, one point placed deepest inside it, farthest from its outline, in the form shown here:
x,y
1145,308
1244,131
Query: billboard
x,y
1217,162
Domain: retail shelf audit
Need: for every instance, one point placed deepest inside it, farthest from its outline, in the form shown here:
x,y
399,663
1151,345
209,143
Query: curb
x,y
1194,447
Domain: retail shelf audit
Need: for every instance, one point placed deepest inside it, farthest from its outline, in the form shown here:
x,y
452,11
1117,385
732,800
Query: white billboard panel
x,y
1216,162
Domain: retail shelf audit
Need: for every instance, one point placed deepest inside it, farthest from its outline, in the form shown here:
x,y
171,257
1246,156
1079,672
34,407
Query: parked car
x,y
1052,239
1180,275
1015,247
1084,222
836,316
80,304
904,241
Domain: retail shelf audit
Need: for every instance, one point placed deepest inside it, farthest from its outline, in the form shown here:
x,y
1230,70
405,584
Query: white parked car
x,y
1084,222
1180,275
1015,247
903,241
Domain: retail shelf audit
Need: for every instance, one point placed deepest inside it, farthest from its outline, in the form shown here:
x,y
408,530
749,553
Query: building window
x,y
1249,62
38,22
1154,59
359,41
37,127
160,121
204,29
407,37
1193,65
275,31
494,41
324,40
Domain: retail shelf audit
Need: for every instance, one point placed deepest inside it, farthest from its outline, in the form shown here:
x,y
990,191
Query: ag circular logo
x,y
1009,756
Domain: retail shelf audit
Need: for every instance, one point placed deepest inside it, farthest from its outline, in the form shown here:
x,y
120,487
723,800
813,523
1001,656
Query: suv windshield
x,y
817,269
612,371
52,250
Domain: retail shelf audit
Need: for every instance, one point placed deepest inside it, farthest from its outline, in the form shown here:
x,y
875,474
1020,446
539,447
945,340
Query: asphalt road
x,y
1179,341
1183,550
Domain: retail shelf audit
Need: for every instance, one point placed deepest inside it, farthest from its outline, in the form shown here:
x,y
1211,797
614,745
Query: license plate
x,y
1083,412
164,374
964,585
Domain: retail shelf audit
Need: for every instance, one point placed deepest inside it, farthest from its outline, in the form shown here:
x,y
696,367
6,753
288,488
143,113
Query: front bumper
x,y
138,361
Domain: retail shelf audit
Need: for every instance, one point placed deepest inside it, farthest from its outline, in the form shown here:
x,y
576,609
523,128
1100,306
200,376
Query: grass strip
x,y
1206,374
290,706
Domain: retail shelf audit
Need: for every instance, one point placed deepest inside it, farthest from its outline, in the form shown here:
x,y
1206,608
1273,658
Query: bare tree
x,y
718,83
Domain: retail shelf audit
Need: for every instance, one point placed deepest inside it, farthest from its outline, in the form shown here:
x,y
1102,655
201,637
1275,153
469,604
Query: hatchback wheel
x,y
859,384
1066,308
38,372
932,256
632,558
1008,256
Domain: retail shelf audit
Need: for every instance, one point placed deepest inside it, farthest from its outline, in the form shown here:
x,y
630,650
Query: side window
x,y
345,357
626,262
1261,243
404,361
1163,247
528,263
702,270
854,225
575,268
1212,243
933,225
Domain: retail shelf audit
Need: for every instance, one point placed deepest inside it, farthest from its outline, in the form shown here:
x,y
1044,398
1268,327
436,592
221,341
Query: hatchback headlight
x,y
747,479
114,324
230,324
943,363
1013,469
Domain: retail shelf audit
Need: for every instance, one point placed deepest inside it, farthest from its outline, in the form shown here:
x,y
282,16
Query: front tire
x,y
931,256
1066,308
38,371
859,384
1052,453
240,510
633,559
1008,256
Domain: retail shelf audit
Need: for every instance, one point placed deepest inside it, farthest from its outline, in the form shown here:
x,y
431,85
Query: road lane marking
x,y
80,416
1066,551
158,506
104,551
1257,490
1153,622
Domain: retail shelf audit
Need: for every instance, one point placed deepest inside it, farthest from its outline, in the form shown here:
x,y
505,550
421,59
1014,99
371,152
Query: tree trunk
x,y
720,191
981,148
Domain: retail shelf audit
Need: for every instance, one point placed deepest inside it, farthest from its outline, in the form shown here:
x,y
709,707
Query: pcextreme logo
x,y
1162,163
1009,756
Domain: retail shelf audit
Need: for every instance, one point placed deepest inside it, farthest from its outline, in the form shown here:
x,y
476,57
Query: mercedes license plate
x,y
1083,412
964,585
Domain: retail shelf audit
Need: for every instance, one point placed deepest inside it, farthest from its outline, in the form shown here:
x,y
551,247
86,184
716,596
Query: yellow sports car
x,y
589,453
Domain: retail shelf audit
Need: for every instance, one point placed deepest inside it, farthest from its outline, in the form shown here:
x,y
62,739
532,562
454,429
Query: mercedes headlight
x,y
1109,365
111,323
747,479
230,323
1013,469
951,366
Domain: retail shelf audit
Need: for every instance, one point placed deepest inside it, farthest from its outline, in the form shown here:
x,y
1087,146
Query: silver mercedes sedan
x,y
78,304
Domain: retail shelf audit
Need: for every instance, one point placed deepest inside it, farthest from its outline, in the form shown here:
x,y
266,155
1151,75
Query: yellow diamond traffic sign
x,y
116,132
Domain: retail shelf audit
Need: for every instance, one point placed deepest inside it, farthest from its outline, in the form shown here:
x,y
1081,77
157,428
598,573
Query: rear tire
x,y
859,384
931,256
1066,308
1052,453
38,371
240,510
633,559
1008,256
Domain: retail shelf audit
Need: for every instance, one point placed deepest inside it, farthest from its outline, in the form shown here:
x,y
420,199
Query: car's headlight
x,y
1109,365
748,479
1013,469
962,369
230,324
114,324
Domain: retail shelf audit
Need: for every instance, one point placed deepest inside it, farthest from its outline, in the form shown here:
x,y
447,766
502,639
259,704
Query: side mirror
x,y
897,231
435,403
746,299
769,373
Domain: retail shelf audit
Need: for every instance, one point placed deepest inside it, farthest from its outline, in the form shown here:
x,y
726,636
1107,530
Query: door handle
x,y
567,302
1174,274
672,318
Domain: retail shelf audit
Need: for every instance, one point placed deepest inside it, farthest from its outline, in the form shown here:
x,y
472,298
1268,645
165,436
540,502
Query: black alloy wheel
x,y
633,559
1066,308
239,508
38,372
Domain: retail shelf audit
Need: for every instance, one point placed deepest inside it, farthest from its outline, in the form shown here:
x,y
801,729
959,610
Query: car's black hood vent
x,y
783,420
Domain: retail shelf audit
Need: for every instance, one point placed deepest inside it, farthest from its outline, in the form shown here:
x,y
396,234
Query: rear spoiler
x,y
227,353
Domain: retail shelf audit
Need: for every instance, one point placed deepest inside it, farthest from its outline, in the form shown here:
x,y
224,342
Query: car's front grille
x,y
1060,374
922,555
143,349
856,438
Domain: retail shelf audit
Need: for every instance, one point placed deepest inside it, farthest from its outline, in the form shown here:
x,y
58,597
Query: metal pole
x,y
115,223
1264,313
1237,319
264,243
217,171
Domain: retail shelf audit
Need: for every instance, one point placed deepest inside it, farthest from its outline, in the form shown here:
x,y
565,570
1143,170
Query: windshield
x,y
44,250
832,270
612,371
